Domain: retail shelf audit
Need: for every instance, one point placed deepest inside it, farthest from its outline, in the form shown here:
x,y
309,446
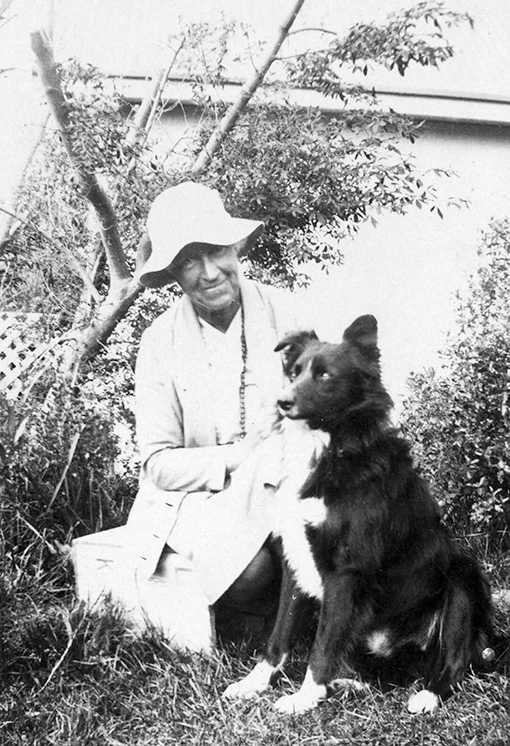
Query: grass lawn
x,y
73,678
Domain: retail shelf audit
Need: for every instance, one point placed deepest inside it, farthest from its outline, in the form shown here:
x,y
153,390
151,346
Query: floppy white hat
x,y
185,214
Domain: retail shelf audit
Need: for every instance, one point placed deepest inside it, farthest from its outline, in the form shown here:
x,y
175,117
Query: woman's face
x,y
208,275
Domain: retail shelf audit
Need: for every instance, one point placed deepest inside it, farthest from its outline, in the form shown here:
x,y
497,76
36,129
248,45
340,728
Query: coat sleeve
x,y
166,462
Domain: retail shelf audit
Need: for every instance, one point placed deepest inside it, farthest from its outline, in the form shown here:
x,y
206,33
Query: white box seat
x,y
171,600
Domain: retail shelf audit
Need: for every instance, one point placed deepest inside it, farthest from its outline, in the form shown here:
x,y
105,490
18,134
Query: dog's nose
x,y
285,404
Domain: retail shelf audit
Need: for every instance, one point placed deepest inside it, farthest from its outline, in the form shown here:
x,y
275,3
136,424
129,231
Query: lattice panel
x,y
17,349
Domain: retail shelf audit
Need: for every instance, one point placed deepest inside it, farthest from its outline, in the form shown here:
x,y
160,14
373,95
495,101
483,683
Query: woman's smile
x,y
209,275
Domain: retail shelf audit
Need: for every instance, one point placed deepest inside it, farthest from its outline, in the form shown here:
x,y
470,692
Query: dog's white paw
x,y
308,697
424,701
293,704
254,683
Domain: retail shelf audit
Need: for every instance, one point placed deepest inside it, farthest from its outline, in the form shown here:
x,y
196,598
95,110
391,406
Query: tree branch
x,y
229,120
308,29
146,113
4,5
144,117
50,79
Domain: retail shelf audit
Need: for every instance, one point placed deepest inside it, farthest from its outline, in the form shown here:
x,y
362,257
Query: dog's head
x,y
334,385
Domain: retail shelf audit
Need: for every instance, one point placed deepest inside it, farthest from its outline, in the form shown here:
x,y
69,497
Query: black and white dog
x,y
361,533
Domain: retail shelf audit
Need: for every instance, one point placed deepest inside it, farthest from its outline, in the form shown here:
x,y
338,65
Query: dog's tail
x,y
483,639
464,636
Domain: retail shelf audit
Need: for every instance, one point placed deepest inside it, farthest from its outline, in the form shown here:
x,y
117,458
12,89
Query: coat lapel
x,y
262,337
192,378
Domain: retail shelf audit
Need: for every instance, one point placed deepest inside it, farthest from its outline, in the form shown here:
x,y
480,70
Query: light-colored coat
x,y
176,432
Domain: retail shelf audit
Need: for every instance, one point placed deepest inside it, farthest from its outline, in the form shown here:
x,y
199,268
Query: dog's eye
x,y
296,370
323,375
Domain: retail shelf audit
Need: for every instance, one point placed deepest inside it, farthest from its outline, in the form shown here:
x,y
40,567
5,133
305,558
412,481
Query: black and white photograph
x,y
254,372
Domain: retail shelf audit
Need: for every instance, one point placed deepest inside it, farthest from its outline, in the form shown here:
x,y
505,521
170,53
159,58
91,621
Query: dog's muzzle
x,y
285,405
286,401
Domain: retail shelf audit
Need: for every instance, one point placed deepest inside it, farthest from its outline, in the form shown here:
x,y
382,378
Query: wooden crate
x,y
171,600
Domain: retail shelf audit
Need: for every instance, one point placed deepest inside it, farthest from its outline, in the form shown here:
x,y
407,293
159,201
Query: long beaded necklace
x,y
242,380
242,383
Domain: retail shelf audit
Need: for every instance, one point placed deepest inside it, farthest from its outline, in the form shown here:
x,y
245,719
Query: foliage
x,y
312,179
67,461
39,263
414,35
459,420
59,465
204,54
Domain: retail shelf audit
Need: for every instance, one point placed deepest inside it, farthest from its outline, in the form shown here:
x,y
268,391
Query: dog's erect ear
x,y
292,345
363,333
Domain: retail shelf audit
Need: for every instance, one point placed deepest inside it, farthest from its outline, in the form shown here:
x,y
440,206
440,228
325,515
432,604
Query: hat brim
x,y
239,232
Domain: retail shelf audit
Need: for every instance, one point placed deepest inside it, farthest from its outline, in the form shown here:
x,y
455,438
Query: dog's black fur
x,y
391,574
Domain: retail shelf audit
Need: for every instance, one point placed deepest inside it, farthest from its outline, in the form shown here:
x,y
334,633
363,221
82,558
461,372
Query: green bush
x,y
459,419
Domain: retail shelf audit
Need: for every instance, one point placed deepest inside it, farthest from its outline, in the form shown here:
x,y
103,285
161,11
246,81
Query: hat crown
x,y
182,207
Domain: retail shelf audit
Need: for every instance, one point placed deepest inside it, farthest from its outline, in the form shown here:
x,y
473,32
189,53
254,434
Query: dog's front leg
x,y
332,638
259,679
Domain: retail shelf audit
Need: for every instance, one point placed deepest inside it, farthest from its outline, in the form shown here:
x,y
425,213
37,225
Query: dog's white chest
x,y
291,515
290,519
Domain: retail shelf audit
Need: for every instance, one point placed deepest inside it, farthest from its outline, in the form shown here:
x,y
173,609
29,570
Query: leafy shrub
x,y
459,420
39,264
58,464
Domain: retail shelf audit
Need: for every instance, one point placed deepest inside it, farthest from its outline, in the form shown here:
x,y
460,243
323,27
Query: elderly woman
x,y
206,378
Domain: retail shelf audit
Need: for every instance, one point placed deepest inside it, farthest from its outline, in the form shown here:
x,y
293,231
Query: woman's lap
x,y
220,533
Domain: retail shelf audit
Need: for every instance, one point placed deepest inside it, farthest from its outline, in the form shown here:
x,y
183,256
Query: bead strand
x,y
242,385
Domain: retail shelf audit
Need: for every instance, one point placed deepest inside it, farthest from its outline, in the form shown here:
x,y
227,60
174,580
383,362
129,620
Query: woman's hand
x,y
241,449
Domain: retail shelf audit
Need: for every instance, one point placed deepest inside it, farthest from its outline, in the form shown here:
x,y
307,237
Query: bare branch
x,y
144,109
4,6
91,339
315,29
145,115
229,120
161,88
50,79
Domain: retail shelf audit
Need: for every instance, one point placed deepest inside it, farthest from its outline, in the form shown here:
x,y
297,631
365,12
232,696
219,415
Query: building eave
x,y
426,105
